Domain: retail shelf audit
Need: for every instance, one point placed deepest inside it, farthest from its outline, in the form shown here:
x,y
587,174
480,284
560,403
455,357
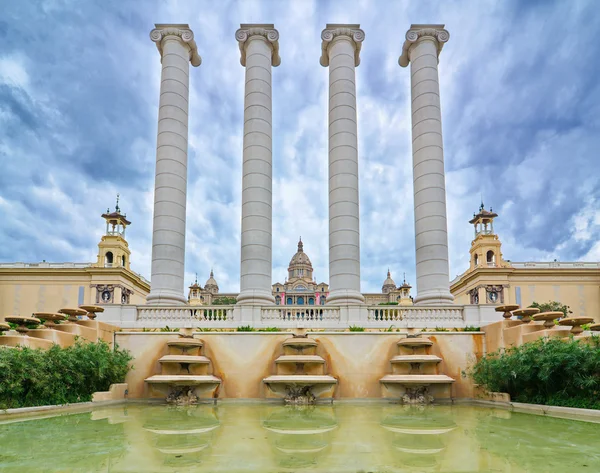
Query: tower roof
x,y
211,282
115,217
483,214
389,282
300,258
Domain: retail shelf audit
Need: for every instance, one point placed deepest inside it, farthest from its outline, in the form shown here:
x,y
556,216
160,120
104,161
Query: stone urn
x,y
507,309
526,314
575,323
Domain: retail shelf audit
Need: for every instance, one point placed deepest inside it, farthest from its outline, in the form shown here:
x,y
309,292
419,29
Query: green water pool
x,y
345,437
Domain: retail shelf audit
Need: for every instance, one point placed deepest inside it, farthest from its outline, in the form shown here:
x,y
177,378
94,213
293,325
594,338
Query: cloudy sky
x,y
79,86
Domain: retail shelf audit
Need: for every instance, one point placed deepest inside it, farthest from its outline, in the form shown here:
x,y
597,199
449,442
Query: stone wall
x,y
357,360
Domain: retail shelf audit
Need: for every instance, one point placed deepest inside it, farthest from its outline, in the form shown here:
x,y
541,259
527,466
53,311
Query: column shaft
x,y
257,199
340,53
431,236
170,189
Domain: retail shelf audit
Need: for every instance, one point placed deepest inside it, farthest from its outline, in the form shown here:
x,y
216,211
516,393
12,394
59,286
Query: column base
x,y
165,297
434,297
345,297
255,297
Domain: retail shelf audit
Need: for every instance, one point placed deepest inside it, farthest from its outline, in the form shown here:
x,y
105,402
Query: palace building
x,y
491,279
46,287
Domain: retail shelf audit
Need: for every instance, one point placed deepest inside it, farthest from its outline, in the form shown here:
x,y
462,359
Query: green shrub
x,y
245,328
552,306
269,329
356,328
555,372
224,301
388,303
470,328
166,328
59,375
441,329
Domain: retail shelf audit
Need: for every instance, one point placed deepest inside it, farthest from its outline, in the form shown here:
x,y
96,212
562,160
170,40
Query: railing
x,y
416,316
185,315
308,314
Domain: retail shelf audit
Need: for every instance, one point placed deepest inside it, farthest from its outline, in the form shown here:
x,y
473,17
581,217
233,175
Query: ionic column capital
x,y
417,33
331,32
247,33
180,31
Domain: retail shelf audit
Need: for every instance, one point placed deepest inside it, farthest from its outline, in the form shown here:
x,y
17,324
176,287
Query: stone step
x,y
300,379
193,360
298,342
416,430
186,343
416,379
201,430
182,379
416,359
306,359
415,342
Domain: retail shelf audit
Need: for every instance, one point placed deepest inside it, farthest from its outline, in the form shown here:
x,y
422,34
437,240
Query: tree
x,y
224,301
552,306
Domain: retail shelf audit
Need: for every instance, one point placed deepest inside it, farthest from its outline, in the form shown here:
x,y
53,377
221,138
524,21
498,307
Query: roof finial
x,y
482,206
404,278
388,272
196,280
300,245
211,273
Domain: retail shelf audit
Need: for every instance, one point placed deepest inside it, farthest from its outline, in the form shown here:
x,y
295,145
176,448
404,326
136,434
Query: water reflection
x,y
300,435
266,438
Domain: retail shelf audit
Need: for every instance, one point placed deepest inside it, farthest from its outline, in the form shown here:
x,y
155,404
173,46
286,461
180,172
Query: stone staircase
x,y
300,373
415,378
184,374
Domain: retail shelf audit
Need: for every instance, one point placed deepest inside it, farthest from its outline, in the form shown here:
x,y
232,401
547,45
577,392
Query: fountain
x,y
48,330
506,310
526,314
184,376
575,323
548,318
300,373
413,373
23,338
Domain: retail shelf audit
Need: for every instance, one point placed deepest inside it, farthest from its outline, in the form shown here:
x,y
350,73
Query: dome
x,y
300,258
388,284
211,284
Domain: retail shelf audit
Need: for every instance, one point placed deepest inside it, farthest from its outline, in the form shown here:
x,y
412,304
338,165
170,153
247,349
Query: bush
x,y
356,328
59,375
554,372
552,306
470,328
269,329
245,328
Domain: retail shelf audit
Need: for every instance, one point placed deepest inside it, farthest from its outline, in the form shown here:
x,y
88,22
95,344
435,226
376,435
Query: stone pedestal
x,y
341,53
421,49
259,49
177,48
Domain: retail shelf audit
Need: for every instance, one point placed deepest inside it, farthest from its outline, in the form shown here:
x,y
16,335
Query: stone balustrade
x,y
328,317
301,314
415,316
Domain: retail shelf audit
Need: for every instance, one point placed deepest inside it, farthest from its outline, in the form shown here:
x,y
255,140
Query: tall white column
x,y
259,48
422,48
177,48
341,52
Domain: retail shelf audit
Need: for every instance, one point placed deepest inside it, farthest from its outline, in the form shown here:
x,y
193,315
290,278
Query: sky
x,y
520,96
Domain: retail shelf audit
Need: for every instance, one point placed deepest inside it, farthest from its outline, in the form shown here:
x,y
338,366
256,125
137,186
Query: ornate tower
x,y
113,249
195,296
388,285
485,247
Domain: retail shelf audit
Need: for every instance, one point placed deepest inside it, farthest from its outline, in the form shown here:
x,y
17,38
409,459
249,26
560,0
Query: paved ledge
x,y
41,412
573,413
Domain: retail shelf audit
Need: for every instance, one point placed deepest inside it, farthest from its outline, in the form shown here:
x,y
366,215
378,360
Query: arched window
x,y
108,258
289,301
277,300
123,260
476,260
490,257
311,301
322,300
300,300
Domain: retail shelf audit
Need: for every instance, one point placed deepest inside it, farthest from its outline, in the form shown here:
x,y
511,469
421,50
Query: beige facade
x,y
46,287
492,280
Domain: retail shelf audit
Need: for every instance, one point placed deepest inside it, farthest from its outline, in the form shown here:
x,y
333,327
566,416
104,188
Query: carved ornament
x,y
183,32
246,33
417,33
329,34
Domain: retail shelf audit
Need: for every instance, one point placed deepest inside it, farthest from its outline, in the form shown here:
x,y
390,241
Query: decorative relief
x,y
185,34
270,34
437,32
327,35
